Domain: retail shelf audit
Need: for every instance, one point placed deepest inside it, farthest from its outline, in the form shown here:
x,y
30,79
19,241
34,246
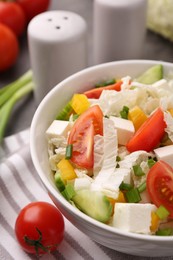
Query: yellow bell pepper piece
x,y
66,170
154,222
121,198
137,116
80,103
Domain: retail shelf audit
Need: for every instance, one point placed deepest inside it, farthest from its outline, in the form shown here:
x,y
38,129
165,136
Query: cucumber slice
x,y
59,182
65,113
93,203
151,75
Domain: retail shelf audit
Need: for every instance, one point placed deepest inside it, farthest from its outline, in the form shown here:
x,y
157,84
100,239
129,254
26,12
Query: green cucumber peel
x,y
151,75
93,203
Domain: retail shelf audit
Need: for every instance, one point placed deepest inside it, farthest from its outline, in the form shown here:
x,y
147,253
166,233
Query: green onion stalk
x,y
10,95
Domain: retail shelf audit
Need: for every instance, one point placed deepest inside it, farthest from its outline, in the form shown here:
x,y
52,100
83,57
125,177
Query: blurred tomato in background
x,y
33,7
14,18
9,47
12,15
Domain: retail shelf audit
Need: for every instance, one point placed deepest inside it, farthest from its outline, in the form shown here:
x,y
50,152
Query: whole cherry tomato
x,y
9,47
39,228
33,7
12,15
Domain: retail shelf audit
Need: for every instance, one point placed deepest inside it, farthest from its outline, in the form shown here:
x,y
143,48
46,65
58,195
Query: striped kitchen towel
x,y
19,185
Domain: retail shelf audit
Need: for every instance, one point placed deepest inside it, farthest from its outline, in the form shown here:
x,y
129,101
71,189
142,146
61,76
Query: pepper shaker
x,y
57,48
119,29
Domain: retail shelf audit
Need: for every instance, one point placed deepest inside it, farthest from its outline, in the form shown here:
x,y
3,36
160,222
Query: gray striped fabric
x,y
20,185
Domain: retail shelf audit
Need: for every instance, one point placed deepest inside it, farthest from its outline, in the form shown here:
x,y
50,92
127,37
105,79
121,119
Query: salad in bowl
x,y
101,144
110,152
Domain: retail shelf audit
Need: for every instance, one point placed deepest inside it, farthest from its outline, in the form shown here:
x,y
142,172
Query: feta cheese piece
x,y
125,129
165,154
133,217
58,128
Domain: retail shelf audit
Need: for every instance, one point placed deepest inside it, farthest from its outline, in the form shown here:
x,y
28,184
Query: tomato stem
x,y
37,243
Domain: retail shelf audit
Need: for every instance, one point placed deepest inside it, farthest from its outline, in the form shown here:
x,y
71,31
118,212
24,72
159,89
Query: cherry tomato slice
x,y
82,134
148,136
96,92
160,185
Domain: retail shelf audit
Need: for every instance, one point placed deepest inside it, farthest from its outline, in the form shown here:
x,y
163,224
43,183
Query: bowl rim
x,y
66,205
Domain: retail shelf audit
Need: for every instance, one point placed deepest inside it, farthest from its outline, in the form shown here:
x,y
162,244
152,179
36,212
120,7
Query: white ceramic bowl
x,y
134,244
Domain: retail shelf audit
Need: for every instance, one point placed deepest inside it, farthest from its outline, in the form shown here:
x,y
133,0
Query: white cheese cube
x,y
125,129
58,128
165,154
133,217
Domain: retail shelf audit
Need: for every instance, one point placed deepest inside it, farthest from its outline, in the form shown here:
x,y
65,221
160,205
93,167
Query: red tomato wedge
x,y
149,134
96,92
82,134
160,185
